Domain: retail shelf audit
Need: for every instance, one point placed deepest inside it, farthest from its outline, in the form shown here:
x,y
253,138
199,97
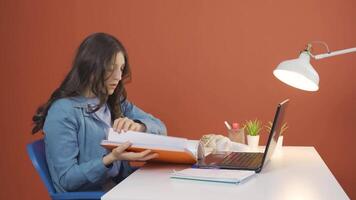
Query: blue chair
x,y
36,151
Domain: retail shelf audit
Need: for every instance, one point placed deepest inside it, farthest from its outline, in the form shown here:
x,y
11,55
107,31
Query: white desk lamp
x,y
299,73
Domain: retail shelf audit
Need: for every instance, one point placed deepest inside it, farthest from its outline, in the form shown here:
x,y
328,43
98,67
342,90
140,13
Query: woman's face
x,y
114,74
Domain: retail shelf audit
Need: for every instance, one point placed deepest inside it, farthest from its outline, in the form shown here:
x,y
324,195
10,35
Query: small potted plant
x,y
253,129
283,129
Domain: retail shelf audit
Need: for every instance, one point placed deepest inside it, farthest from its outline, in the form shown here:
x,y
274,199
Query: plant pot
x,y
252,141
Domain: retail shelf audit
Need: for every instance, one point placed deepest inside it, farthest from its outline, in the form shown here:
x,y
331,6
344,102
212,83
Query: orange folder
x,y
176,156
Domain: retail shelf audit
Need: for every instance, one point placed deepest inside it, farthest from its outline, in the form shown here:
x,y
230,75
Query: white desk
x,y
298,173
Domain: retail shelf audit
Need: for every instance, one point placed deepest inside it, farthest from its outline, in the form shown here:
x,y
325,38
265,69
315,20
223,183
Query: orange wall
x,y
195,64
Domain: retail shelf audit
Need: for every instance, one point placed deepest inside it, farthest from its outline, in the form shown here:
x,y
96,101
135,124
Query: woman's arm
x,y
62,150
153,125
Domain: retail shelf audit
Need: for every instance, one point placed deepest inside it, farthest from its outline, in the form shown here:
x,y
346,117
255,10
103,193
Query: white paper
x,y
148,140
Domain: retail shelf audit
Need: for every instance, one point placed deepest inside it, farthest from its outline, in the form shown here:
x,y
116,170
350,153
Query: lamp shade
x,y
298,73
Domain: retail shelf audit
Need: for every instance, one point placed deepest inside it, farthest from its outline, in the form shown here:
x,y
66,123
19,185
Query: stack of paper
x,y
169,149
214,175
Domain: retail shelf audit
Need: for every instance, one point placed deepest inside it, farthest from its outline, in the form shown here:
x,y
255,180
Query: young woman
x,y
89,101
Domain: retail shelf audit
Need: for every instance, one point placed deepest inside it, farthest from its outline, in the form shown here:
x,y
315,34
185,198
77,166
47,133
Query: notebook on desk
x,y
247,160
213,175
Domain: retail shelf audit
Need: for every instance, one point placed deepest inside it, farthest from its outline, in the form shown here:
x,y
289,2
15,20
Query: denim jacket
x,y
72,143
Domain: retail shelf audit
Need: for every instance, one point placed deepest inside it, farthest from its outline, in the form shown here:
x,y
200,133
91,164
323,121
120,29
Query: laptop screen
x,y
275,131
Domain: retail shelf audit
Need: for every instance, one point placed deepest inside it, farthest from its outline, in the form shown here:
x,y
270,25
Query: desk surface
x,y
296,173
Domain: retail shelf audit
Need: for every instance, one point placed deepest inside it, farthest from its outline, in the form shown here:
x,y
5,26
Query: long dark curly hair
x,y
91,62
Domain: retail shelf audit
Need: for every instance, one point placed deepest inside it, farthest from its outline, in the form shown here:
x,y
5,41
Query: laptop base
x,y
232,160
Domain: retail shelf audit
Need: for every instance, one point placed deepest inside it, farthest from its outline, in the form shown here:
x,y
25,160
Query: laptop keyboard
x,y
241,159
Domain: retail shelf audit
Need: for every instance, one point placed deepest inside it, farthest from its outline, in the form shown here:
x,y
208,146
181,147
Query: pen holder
x,y
237,135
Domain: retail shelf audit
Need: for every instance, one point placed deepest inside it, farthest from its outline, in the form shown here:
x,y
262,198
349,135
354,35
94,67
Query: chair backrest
x,y
36,151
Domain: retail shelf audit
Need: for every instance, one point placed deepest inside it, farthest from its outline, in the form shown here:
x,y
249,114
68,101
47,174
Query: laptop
x,y
247,160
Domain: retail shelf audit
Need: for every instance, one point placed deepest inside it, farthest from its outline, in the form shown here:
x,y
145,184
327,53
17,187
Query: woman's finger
x,y
127,124
149,157
121,148
141,154
135,127
116,124
121,123
135,156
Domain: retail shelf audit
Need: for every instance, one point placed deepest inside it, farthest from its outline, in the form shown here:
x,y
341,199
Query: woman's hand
x,y
120,153
126,124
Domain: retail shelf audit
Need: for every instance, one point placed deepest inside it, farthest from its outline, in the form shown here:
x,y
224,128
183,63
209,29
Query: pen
x,y
227,125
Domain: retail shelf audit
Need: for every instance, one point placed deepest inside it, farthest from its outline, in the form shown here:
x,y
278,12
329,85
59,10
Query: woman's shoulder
x,y
62,111
65,104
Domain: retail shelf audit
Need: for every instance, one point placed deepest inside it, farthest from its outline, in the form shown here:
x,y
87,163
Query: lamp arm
x,y
334,53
